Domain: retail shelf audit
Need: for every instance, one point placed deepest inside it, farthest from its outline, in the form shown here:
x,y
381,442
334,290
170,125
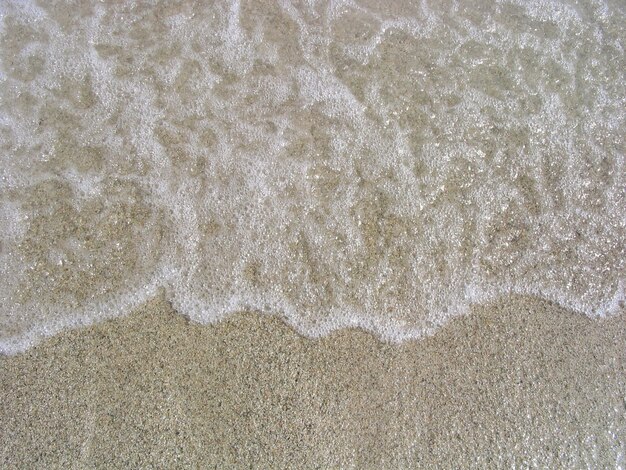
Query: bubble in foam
x,y
355,165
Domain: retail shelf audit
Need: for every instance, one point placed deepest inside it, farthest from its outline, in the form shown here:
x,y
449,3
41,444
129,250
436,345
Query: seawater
x,y
341,163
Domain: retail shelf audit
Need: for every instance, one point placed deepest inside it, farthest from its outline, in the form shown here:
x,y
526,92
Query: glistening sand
x,y
377,164
518,383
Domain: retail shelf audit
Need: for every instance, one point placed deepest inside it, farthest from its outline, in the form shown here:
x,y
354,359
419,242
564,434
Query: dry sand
x,y
520,382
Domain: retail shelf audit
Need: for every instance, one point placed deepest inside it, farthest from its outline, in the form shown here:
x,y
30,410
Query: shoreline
x,y
23,342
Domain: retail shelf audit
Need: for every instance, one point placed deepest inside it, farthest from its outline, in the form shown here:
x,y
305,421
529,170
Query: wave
x,y
381,166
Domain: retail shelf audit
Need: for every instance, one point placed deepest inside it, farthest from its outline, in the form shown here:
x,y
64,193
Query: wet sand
x,y
519,382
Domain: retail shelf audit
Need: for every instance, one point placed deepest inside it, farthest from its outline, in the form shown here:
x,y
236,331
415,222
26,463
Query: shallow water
x,y
382,165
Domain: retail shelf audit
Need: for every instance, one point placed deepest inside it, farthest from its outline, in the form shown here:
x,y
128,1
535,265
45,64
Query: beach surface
x,y
317,234
520,382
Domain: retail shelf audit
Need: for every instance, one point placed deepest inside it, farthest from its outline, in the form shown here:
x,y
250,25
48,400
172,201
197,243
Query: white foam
x,y
341,164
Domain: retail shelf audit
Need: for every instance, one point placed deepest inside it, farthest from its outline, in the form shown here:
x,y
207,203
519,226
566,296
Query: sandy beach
x,y
520,382
373,174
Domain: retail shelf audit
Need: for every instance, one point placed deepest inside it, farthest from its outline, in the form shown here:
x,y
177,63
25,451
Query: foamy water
x,y
374,164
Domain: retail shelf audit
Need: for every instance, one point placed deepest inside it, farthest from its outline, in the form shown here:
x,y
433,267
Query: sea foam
x,y
375,164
